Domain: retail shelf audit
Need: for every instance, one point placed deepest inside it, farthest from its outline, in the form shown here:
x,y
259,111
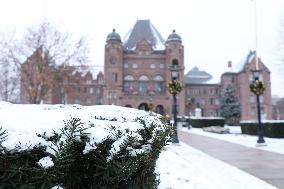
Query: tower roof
x,y
144,30
196,76
113,36
174,37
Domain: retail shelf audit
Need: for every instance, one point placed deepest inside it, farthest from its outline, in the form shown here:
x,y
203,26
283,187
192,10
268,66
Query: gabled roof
x,y
242,64
143,29
196,76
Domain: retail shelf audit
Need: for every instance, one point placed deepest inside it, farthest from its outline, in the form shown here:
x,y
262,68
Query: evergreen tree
x,y
230,106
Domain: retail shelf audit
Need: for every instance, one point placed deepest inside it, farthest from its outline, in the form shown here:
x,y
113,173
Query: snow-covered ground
x,y
183,167
180,167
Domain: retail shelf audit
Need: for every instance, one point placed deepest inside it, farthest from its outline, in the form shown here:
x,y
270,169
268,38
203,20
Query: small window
x,y
113,60
91,90
152,66
134,66
162,66
125,65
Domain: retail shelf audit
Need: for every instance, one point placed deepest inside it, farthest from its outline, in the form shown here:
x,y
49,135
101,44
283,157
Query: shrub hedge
x,y
132,167
271,129
206,122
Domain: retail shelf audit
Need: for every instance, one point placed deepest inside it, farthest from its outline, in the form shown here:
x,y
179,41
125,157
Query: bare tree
x,y
41,56
9,75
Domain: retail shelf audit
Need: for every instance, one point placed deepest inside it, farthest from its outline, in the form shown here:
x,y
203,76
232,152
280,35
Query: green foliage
x,y
272,130
200,123
3,135
130,167
230,106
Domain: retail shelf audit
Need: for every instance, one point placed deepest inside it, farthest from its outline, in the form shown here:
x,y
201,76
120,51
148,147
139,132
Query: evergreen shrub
x,y
206,122
271,129
102,166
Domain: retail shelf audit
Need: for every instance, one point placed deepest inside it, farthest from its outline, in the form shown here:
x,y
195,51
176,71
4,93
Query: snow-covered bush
x,y
73,158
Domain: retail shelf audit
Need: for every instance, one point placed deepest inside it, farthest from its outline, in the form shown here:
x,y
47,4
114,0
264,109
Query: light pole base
x,y
261,144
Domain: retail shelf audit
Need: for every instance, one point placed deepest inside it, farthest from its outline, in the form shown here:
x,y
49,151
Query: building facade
x,y
137,71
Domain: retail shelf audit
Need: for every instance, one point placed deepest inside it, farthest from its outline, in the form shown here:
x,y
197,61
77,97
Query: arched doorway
x,y
143,106
160,109
128,106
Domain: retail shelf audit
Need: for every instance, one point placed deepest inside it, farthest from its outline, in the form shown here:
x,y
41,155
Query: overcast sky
x,y
213,31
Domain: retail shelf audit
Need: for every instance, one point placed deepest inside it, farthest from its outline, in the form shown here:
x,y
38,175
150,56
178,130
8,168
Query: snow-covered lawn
x,y
180,167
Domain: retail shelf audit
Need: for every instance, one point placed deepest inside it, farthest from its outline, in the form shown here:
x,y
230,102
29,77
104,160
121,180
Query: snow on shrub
x,y
95,147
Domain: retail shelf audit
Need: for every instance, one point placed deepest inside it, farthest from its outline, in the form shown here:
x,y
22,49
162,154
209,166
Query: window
x,y
134,66
88,82
128,78
125,65
252,110
113,77
91,91
175,62
152,66
85,89
211,101
98,91
251,99
143,84
113,60
158,84
162,66
217,101
128,84
261,99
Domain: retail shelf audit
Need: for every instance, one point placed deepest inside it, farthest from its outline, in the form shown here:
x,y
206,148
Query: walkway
x,y
268,166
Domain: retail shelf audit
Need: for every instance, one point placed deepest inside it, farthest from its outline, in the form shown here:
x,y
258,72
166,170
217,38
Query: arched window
x,y
143,106
143,84
143,78
158,84
158,78
128,78
175,62
160,109
128,84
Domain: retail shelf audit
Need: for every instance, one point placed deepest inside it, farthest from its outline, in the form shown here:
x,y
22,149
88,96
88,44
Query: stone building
x,y
43,82
137,71
240,77
202,91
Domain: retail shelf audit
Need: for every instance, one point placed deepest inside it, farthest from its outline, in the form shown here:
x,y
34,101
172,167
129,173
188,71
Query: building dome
x,y
113,36
174,37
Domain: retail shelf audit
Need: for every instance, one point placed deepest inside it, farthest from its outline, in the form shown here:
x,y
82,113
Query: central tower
x,y
137,69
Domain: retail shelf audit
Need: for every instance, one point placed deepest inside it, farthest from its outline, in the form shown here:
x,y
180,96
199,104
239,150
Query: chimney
x,y
229,64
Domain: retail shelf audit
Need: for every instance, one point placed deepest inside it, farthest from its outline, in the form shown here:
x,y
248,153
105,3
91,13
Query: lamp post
x,y
258,88
174,87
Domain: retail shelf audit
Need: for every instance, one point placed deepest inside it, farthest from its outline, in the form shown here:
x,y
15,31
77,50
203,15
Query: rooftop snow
x,y
143,29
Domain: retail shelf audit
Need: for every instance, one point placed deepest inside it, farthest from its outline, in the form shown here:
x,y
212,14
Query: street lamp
x,y
258,88
174,87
